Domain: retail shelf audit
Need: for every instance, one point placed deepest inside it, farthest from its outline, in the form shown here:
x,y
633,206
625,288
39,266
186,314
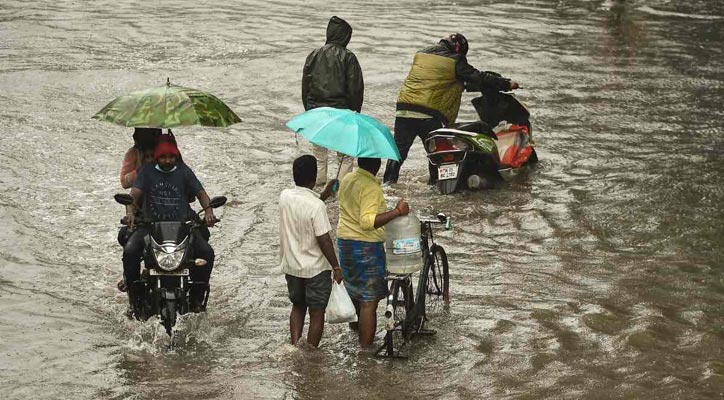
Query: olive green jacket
x,y
437,79
432,87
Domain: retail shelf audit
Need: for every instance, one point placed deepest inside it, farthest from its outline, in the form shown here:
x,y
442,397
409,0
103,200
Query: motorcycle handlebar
x,y
216,221
142,221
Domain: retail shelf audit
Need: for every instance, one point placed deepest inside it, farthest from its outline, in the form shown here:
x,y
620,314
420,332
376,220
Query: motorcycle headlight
x,y
168,261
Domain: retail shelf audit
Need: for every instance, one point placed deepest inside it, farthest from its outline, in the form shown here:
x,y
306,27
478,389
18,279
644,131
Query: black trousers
x,y
133,252
406,130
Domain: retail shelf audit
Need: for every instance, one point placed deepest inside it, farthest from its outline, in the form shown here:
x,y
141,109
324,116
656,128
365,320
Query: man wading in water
x,y
361,242
430,96
306,250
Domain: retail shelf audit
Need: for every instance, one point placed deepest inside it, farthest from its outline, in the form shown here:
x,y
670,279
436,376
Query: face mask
x,y
158,167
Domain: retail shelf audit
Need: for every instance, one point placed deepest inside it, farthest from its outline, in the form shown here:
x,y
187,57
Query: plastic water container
x,y
404,255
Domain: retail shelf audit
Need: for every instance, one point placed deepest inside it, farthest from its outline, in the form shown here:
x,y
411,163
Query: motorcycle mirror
x,y
123,198
217,201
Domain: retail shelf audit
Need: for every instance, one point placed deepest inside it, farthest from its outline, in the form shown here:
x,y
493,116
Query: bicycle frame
x,y
419,317
415,316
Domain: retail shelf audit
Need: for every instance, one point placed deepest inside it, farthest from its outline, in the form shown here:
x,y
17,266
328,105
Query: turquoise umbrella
x,y
346,131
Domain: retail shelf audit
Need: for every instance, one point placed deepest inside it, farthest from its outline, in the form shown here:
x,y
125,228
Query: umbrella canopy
x,y
167,106
346,131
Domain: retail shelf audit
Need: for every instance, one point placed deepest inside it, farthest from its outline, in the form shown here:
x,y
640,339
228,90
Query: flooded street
x,y
596,275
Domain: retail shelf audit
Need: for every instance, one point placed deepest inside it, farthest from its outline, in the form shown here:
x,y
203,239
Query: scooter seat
x,y
476,127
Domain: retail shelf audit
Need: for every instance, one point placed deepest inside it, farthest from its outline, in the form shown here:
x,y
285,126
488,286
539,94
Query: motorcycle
x,y
480,154
164,288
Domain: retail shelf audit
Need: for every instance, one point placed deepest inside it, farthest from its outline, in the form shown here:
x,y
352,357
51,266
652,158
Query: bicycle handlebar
x,y
438,219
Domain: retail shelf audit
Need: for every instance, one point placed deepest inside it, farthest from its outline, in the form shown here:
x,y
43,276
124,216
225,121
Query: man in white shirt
x,y
306,250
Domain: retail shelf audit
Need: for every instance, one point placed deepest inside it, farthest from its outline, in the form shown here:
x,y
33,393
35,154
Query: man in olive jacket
x,y
430,97
332,77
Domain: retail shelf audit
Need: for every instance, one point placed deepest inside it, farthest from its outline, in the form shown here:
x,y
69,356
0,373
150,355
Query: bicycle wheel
x,y
438,278
398,328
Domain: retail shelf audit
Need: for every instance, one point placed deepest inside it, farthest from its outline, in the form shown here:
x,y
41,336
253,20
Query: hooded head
x,y
457,43
338,31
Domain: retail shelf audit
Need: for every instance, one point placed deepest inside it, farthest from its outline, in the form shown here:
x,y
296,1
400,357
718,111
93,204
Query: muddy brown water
x,y
596,275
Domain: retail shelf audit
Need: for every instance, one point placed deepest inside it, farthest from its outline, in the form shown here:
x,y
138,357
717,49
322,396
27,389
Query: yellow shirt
x,y
360,200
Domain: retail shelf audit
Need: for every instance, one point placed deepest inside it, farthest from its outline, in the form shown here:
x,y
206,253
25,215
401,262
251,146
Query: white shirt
x,y
302,217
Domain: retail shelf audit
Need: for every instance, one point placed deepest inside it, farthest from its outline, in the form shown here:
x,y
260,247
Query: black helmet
x,y
459,43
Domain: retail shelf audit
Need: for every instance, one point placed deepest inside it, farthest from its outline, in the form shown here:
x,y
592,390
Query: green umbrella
x,y
167,106
346,131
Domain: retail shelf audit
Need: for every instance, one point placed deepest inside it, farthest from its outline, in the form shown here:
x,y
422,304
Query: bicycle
x,y
405,315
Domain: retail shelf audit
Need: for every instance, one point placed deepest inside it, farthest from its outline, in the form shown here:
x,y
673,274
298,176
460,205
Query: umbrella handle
x,y
339,167
335,187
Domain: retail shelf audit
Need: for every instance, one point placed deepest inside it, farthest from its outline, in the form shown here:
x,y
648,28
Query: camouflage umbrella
x,y
168,106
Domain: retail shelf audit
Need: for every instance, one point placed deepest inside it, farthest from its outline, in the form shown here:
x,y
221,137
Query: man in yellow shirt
x,y
361,242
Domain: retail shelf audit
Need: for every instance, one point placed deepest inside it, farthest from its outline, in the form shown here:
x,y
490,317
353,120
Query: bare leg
x,y
296,322
367,323
316,327
355,325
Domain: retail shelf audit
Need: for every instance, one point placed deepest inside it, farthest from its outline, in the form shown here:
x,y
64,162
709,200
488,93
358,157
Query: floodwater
x,y
597,275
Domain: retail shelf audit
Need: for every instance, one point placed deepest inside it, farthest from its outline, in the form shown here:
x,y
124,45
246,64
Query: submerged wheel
x,y
438,278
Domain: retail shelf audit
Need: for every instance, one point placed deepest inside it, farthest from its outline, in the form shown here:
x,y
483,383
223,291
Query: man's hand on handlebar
x,y
514,85
209,217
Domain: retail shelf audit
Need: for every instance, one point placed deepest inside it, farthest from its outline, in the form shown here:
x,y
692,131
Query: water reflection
x,y
627,34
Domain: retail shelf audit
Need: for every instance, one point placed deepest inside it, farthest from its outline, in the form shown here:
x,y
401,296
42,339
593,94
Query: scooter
x,y
481,154
164,288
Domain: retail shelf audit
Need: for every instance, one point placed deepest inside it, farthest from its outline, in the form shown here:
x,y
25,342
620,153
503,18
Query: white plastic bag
x,y
340,308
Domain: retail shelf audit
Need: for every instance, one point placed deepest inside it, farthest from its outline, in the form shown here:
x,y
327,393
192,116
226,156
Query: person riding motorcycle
x,y
163,189
144,145
145,141
430,96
